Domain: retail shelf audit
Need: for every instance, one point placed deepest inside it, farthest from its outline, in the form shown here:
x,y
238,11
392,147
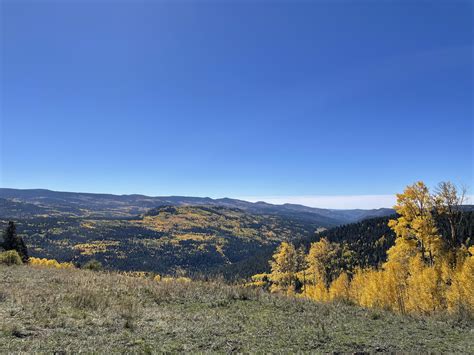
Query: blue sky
x,y
236,98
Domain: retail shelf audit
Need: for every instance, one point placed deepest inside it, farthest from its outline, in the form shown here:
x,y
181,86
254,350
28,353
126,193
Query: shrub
x,y
50,263
93,265
10,257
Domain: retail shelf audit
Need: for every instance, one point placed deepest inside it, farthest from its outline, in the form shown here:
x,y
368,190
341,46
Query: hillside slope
x,y
49,310
167,239
371,238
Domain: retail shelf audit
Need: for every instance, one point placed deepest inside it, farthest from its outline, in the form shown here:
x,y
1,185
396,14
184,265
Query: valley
x,y
171,235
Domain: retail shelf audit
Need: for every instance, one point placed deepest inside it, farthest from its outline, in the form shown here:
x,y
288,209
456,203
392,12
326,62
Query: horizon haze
x,y
339,202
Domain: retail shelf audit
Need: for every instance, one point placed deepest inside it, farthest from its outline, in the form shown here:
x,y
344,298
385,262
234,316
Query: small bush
x,y
10,257
50,263
93,265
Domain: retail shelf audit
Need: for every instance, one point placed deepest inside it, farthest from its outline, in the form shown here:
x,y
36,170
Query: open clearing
x,y
73,310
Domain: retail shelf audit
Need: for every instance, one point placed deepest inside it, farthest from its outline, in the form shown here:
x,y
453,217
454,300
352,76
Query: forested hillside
x,y
371,238
169,239
368,239
171,234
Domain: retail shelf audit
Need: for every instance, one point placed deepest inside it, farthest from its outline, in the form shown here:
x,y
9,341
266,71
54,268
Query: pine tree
x,y
11,241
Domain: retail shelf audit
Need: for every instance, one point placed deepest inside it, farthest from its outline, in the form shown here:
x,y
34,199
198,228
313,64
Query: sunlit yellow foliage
x,y
88,225
259,280
98,246
365,289
317,292
393,276
284,268
339,289
357,284
181,279
460,296
423,274
50,263
402,251
319,261
415,206
425,289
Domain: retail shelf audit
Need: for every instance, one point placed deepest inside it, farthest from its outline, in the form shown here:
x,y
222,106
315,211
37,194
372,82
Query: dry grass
x,y
52,310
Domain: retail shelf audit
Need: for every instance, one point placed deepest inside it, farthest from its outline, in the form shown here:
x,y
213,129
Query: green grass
x,y
51,310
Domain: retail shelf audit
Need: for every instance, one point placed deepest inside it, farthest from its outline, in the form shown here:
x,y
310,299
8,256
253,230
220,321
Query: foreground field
x,y
72,310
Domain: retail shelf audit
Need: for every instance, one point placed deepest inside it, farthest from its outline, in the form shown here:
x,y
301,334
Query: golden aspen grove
x,y
425,272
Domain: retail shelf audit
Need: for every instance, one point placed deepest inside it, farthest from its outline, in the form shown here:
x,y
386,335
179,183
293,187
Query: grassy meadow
x,y
53,310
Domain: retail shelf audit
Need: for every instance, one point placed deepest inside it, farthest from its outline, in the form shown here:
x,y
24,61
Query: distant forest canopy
x,y
168,239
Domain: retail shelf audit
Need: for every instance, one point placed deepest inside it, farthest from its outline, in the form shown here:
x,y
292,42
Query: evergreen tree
x,y
11,241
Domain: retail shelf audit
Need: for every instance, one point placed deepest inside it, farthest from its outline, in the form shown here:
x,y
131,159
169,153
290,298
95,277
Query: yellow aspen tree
x,y
318,292
425,288
319,261
395,274
371,295
356,286
393,287
284,268
339,289
460,295
415,206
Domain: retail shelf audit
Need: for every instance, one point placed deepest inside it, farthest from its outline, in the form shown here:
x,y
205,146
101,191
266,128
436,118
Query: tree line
x,y
428,269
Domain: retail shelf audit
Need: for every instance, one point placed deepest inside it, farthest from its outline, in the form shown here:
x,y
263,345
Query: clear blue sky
x,y
236,98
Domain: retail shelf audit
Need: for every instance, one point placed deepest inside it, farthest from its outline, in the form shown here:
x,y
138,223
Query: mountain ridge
x,y
127,205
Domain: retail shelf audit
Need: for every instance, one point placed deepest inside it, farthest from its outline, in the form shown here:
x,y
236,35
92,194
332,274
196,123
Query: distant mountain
x,y
126,206
12,209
